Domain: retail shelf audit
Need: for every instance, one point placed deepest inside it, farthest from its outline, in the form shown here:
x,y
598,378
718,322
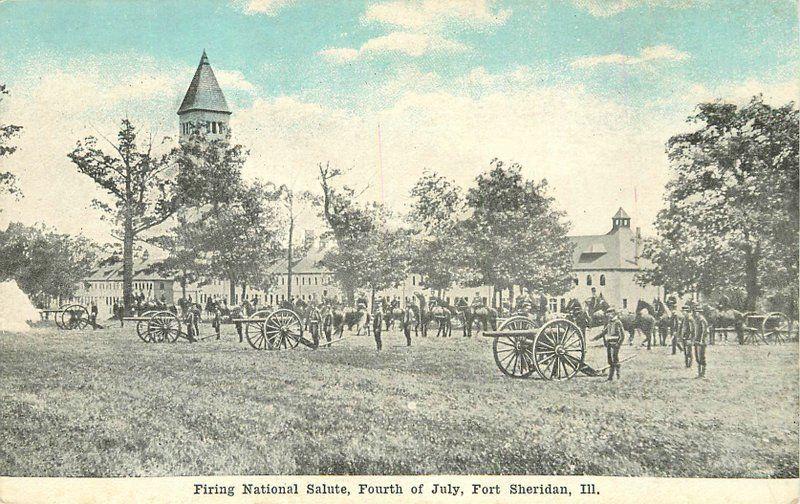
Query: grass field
x,y
103,403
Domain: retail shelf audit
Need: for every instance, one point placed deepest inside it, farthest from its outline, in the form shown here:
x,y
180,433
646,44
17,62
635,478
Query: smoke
x,y
16,310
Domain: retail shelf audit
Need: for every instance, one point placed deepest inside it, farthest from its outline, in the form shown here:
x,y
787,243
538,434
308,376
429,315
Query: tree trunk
x,y
231,289
244,291
752,257
183,285
511,297
127,264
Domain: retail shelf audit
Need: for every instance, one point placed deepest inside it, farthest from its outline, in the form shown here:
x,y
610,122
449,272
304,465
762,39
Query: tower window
x,y
213,127
602,279
588,279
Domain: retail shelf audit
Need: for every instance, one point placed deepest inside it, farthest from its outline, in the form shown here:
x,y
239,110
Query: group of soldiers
x,y
690,334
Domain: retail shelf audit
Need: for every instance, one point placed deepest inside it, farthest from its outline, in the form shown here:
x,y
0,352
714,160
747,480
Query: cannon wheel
x,y
775,327
163,327
254,330
558,350
514,354
74,316
283,329
141,327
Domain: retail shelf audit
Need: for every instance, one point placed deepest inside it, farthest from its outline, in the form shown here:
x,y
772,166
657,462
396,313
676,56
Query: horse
x,y
484,316
724,318
664,321
643,319
442,314
424,316
581,316
392,313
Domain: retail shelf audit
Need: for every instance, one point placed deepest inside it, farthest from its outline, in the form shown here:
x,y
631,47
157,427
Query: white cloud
x,y
57,106
607,8
592,150
408,43
646,55
268,7
435,14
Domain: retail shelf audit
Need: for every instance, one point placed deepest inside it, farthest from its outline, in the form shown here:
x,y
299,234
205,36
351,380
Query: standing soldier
x,y
701,338
377,324
613,333
687,331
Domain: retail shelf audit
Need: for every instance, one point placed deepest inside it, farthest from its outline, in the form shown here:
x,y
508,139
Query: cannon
x,y
282,329
554,351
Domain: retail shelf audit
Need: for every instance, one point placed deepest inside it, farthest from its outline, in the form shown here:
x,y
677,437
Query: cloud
x,y
646,55
593,150
417,27
268,7
407,43
607,8
57,105
436,14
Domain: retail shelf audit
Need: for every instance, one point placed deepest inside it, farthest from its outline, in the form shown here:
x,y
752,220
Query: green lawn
x,y
103,403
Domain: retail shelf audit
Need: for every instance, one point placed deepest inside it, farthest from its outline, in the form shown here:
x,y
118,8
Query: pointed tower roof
x,y
621,214
204,92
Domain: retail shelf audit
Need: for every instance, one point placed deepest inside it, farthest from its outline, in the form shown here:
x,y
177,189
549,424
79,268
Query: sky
x,y
583,93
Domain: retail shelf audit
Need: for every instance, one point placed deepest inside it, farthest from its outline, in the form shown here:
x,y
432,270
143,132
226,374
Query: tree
x,y
139,185
376,260
349,224
45,263
8,182
180,243
731,208
439,248
234,225
515,234
289,200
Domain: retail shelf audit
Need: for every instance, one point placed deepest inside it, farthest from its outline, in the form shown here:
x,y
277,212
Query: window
x,y
562,305
588,279
576,280
413,280
624,303
602,279
161,285
213,127
316,280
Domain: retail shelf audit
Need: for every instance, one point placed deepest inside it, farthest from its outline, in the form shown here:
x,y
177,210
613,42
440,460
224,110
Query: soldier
x,y
93,315
701,337
613,333
477,301
687,332
377,324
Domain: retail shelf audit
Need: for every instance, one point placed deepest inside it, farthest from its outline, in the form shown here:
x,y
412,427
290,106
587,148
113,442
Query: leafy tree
x,y
46,264
182,262
730,218
350,225
376,260
439,248
139,184
8,182
516,235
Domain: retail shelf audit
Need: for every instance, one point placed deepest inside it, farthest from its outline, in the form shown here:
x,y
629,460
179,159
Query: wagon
x,y
71,317
774,327
554,350
161,326
281,329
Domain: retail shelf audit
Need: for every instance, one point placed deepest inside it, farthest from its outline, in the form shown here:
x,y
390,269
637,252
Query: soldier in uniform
x,y
701,338
377,324
613,333
687,332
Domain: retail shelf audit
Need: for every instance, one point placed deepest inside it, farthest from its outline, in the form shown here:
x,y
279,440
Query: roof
x,y
615,250
113,273
621,214
204,92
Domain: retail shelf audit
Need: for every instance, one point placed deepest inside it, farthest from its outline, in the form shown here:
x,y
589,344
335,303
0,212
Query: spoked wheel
x,y
283,329
775,327
75,316
514,354
558,350
254,330
58,318
163,327
141,327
